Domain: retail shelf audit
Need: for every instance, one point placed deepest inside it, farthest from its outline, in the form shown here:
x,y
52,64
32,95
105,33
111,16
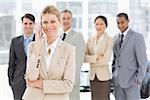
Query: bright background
x,y
84,12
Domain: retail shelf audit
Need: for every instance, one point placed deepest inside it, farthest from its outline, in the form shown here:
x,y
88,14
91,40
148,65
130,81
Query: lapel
x,y
126,39
54,59
33,38
116,44
101,44
41,51
69,36
20,44
56,56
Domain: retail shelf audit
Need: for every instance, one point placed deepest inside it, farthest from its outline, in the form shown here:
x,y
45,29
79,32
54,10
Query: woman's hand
x,y
38,33
37,83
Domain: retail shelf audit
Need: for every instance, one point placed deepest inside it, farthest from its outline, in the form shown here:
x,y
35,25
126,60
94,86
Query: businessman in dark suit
x,y
130,61
18,56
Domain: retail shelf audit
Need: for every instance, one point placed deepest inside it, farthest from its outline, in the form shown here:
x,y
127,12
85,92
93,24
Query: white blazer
x,y
58,81
100,67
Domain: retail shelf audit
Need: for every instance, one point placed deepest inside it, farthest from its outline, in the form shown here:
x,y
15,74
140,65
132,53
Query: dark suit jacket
x,y
17,66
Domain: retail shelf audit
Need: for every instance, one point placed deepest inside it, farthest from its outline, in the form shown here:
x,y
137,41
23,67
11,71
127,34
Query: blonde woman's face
x,y
100,25
50,24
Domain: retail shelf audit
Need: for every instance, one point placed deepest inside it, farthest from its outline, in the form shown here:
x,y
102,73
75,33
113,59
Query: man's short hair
x,y
123,15
65,11
29,16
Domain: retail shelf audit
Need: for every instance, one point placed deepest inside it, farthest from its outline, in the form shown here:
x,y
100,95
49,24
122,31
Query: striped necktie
x,y
121,41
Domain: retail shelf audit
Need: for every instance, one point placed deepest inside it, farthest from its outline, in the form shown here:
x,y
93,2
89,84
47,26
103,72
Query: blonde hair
x,y
50,9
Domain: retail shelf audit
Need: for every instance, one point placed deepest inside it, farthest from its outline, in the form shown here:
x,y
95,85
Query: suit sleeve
x,y
88,57
66,84
33,60
80,49
140,51
107,53
12,59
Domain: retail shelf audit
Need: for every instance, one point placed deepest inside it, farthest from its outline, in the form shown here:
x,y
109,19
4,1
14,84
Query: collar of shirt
x,y
124,33
30,37
51,46
67,32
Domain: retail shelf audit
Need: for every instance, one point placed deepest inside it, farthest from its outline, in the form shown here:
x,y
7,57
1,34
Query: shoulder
x,y
37,43
115,37
90,38
137,35
107,36
77,34
67,46
15,39
108,39
18,37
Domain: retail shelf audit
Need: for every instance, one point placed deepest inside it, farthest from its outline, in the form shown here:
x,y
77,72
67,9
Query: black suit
x,y
17,67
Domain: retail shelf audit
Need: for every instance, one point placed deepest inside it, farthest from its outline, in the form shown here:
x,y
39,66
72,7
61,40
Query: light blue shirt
x,y
26,42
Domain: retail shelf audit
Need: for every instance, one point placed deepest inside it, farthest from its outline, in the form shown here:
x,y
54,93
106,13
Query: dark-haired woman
x,y
98,53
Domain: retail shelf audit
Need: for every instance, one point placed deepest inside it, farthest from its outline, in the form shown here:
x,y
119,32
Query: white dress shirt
x,y
124,33
52,48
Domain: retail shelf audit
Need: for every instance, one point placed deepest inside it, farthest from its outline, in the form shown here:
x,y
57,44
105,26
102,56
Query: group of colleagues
x,y
46,65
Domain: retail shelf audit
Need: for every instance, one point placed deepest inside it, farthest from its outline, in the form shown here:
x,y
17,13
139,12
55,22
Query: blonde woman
x,y
98,52
50,73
